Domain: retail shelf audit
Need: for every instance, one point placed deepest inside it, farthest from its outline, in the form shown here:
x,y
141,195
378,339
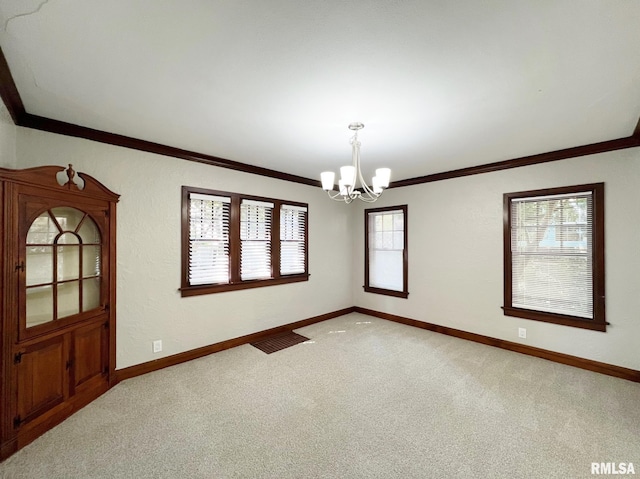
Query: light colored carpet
x,y
364,398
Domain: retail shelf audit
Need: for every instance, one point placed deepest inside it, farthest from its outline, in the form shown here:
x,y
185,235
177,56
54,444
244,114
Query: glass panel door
x,y
63,266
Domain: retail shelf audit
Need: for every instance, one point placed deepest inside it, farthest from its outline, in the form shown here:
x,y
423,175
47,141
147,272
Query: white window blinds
x,y
293,226
208,239
552,254
386,250
255,239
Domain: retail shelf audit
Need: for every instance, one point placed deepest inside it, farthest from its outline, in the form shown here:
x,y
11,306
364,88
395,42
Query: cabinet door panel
x,y
41,378
90,354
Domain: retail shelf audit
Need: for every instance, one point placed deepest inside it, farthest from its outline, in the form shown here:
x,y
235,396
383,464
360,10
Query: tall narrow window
x,y
386,251
208,239
255,239
293,239
230,241
554,255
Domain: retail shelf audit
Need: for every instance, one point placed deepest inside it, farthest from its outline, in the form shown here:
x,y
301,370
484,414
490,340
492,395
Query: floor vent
x,y
279,341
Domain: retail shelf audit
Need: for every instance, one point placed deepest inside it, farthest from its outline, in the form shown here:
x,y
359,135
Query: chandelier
x,y
351,175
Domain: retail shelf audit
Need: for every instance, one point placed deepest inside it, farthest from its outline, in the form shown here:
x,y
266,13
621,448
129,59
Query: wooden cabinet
x,y
57,298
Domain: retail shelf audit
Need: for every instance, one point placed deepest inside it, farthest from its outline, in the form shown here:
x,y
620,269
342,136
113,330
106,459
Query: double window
x,y
554,255
233,241
385,264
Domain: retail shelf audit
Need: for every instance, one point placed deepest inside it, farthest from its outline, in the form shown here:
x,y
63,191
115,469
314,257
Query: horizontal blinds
x,y
552,254
386,249
293,225
208,239
199,196
255,239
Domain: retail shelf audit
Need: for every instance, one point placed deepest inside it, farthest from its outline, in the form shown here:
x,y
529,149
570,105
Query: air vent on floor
x,y
279,341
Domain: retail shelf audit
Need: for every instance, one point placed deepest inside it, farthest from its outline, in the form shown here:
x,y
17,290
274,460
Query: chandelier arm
x,y
367,190
336,197
340,197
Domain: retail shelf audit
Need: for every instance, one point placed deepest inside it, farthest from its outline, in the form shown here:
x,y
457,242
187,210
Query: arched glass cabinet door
x,y
63,267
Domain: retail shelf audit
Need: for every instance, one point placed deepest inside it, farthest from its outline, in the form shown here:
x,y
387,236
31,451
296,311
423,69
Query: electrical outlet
x,y
157,345
522,333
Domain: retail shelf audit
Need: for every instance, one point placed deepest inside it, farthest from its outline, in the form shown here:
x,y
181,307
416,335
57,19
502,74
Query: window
x,y
554,255
385,263
228,241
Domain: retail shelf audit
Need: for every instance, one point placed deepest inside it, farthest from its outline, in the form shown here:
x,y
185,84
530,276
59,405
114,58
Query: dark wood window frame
x,y
405,262
598,323
235,282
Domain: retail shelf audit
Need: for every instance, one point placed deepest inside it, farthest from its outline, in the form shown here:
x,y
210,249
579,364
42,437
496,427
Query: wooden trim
x,y
235,280
599,322
577,151
69,129
13,102
9,92
386,292
561,319
246,284
636,132
405,253
588,364
144,368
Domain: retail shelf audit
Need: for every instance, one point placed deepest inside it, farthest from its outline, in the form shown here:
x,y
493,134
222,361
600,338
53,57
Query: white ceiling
x,y
439,85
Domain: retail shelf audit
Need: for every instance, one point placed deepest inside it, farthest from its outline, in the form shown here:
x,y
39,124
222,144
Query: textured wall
x,y
455,251
456,247
7,139
149,304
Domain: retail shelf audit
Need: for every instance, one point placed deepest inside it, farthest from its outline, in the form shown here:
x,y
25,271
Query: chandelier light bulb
x,y
384,175
348,175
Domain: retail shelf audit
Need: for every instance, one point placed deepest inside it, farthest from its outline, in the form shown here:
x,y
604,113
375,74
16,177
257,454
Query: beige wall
x,y
455,250
149,306
456,247
7,139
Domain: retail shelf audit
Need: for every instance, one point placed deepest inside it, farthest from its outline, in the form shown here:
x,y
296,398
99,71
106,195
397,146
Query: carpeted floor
x,y
363,398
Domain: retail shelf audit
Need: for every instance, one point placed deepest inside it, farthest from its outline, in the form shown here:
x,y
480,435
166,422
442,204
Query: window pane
x,y
90,261
386,238
293,221
68,218
256,260
68,299
398,221
209,262
39,265
43,230
255,241
39,305
68,262
560,284
90,294
68,238
385,270
89,232
552,255
209,240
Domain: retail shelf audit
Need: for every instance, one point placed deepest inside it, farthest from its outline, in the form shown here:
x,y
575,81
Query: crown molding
x,y
13,102
636,132
69,129
574,152
9,92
